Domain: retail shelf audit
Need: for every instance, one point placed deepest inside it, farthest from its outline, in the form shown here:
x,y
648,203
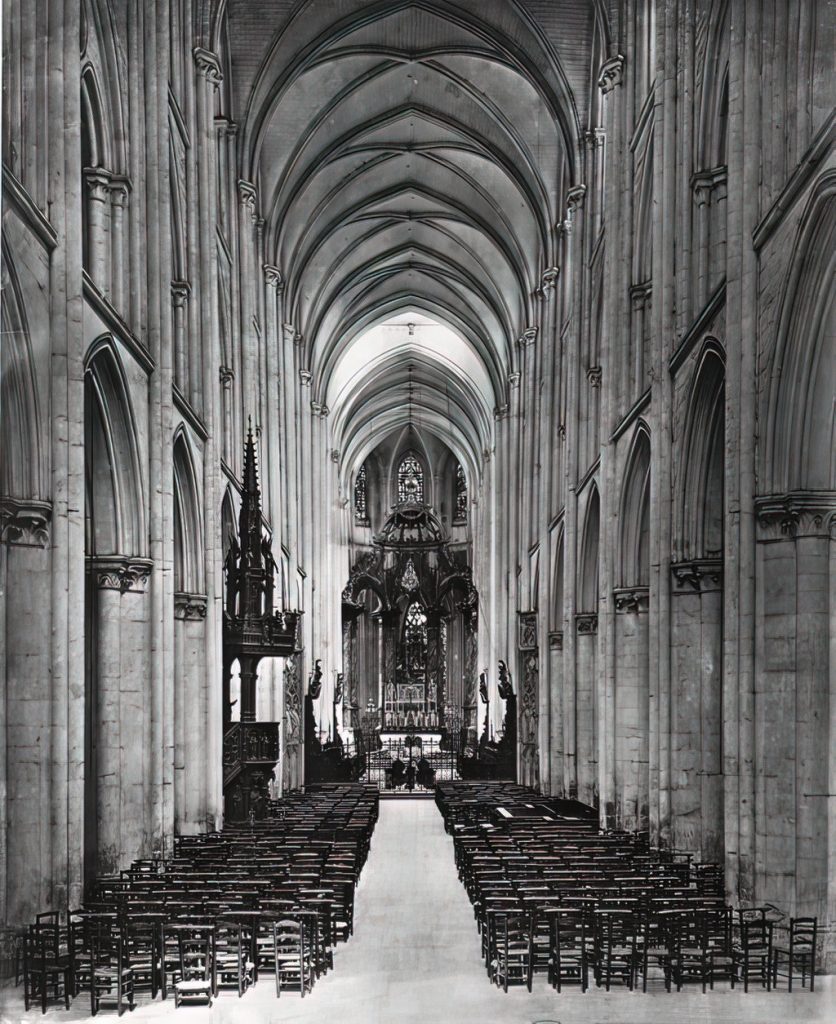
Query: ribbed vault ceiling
x,y
410,160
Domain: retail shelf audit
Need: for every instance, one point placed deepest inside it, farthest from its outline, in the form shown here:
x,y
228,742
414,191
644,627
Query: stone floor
x,y
414,959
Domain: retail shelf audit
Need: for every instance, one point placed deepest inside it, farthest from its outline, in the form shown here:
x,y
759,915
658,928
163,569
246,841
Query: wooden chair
x,y
615,947
43,968
196,947
510,948
799,954
234,963
293,955
109,974
753,952
569,949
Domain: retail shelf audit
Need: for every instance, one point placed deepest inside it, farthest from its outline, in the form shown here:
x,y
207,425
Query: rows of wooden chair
x,y
556,895
272,897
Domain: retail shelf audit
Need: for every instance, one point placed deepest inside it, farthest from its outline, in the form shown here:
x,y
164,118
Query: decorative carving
x,y
409,580
796,514
189,606
318,409
335,454
593,375
527,631
611,74
704,183
305,378
273,277
292,700
505,685
97,180
124,574
513,381
699,573
586,623
25,523
249,197
528,337
180,291
501,411
315,682
631,599
227,376
208,65
556,640
574,199
641,294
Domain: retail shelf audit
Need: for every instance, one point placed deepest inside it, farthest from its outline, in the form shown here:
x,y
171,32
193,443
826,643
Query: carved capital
x,y
123,574
317,408
548,281
704,183
208,65
248,196
335,454
227,376
514,379
180,291
98,182
556,640
641,294
500,412
796,514
120,189
701,574
593,376
305,378
189,606
574,198
528,337
25,523
273,277
586,623
611,73
631,599
595,137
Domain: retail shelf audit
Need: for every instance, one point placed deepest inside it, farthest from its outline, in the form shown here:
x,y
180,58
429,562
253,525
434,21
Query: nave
x,y
414,959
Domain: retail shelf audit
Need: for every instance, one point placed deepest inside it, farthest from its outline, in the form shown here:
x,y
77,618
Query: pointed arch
x,y
188,522
588,563
701,466
713,76
411,477
229,522
634,513
115,494
800,451
21,467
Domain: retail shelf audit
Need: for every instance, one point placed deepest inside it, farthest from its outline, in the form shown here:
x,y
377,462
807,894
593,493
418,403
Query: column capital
x,y
189,606
528,337
120,189
611,73
641,294
586,623
25,523
248,195
593,376
574,198
180,291
514,379
631,599
317,408
548,280
527,631
112,572
701,574
556,640
98,182
208,65
273,277
227,376
796,514
703,183
305,378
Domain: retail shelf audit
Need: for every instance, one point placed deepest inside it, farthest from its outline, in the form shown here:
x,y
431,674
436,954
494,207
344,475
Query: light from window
x,y
461,494
415,640
360,510
410,480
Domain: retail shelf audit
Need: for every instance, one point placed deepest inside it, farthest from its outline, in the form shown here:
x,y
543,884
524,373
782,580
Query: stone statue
x,y
483,687
506,688
316,680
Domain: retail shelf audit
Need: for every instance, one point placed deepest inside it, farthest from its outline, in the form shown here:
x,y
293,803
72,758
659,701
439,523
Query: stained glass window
x,y
415,639
461,495
410,480
360,511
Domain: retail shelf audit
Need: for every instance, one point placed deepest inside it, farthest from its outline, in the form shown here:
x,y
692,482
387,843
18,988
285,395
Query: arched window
x,y
415,640
461,495
360,508
410,480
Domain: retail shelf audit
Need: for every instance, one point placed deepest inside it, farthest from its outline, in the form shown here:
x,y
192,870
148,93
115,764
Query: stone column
x,y
120,188
697,708
292,745
632,725
557,767
120,712
97,180
190,713
179,299
586,711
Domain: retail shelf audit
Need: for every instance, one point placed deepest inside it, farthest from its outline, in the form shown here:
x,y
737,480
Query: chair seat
x,y
193,986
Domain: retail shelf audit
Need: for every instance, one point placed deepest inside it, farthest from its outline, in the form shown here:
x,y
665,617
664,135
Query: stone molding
x,y
556,640
123,574
208,65
701,574
189,606
631,599
796,514
586,623
704,183
611,73
25,523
